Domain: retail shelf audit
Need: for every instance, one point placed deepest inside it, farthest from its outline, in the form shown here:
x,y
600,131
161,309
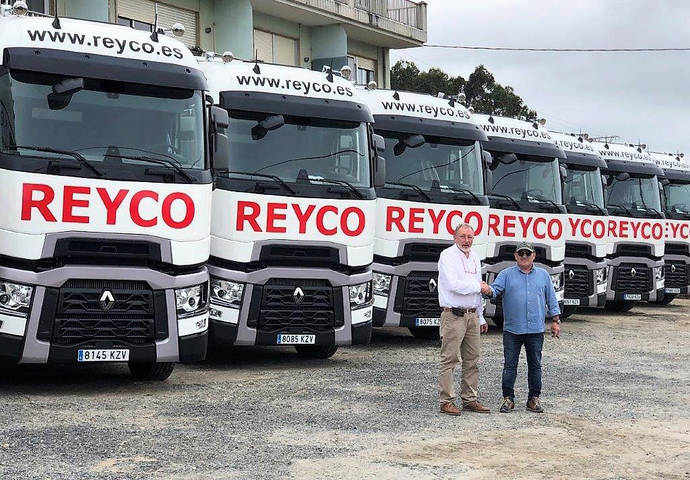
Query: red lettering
x,y
657,231
302,217
509,225
623,228
69,203
573,226
476,218
525,222
646,226
167,210
394,215
493,224
635,228
243,216
586,221
555,235
674,227
599,229
612,229
28,201
319,220
537,222
361,219
436,218
684,231
111,205
272,215
449,221
134,208
415,218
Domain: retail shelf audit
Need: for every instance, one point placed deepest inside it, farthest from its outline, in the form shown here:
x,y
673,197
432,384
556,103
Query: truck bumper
x,y
633,279
581,287
677,274
268,308
62,320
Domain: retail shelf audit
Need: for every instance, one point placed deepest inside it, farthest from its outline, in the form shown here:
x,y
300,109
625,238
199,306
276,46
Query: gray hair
x,y
463,225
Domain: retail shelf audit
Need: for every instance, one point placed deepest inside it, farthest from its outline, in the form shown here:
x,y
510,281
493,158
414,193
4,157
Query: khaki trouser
x,y
459,341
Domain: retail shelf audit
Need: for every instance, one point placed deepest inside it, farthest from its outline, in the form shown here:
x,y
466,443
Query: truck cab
x,y
675,201
635,226
523,180
293,209
433,183
106,193
586,241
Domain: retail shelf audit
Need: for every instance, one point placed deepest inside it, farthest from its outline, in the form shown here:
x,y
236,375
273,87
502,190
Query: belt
x,y
459,311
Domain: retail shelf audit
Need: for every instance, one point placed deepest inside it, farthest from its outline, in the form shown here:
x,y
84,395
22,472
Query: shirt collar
x,y
528,273
463,253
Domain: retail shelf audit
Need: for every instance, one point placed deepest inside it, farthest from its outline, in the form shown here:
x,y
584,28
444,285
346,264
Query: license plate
x,y
632,296
427,322
103,355
571,301
672,290
290,339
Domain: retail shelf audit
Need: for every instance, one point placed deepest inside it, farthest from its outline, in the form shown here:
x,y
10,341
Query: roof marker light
x,y
20,8
470,109
440,95
542,121
396,95
345,72
228,57
462,97
371,85
177,29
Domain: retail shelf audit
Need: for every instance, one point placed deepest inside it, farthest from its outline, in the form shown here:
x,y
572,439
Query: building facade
x,y
305,33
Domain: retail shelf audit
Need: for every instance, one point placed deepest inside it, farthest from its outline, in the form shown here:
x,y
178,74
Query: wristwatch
x,y
553,320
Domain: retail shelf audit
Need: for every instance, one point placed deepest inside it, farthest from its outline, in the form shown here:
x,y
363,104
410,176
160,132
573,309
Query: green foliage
x,y
483,94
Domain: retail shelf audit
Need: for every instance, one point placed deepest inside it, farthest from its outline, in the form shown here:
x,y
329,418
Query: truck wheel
x,y
620,306
316,351
151,371
425,333
668,298
568,311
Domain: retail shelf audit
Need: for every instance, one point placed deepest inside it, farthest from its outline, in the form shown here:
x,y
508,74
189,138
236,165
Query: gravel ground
x,y
616,393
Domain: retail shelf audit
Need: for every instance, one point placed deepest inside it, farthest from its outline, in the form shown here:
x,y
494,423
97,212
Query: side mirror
x,y
63,91
220,152
604,180
622,176
380,172
488,180
412,141
487,159
564,172
271,122
379,143
219,118
507,158
663,182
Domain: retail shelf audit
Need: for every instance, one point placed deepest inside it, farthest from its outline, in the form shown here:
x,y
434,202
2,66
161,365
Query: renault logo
x,y
571,274
432,285
673,268
107,300
298,295
633,272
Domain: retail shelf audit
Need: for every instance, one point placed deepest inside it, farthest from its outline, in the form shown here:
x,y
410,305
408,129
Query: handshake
x,y
485,289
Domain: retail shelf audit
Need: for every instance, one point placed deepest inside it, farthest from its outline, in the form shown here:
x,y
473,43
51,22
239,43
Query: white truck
x,y
434,182
675,201
524,189
586,239
635,225
106,190
292,236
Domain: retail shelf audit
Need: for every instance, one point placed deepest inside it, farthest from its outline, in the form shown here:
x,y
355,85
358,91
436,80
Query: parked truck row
x,y
157,203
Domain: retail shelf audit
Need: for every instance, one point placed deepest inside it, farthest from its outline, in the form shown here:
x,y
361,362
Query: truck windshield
x,y
677,199
525,178
453,164
636,196
583,188
100,117
299,148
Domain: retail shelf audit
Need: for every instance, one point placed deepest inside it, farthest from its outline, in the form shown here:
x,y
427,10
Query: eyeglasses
x,y
524,253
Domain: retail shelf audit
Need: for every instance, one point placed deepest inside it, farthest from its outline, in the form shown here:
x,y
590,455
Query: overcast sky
x,y
638,96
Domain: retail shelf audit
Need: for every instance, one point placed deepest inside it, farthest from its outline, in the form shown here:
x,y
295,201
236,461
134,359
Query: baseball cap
x,y
524,246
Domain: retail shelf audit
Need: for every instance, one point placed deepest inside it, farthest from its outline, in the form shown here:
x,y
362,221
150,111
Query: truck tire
x,y
316,351
620,306
668,298
425,333
151,371
568,310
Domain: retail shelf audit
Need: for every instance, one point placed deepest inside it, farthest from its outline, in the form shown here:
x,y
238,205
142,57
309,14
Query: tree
x,y
483,94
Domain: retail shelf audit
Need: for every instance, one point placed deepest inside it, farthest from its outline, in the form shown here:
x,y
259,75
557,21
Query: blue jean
x,y
512,344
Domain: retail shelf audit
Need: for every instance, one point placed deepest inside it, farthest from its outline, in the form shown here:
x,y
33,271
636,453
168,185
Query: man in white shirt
x,y
462,320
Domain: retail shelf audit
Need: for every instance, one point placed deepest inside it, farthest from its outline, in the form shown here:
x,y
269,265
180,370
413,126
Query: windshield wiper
x,y
591,204
462,190
653,210
317,157
416,188
275,178
542,199
338,182
507,197
622,207
159,161
78,157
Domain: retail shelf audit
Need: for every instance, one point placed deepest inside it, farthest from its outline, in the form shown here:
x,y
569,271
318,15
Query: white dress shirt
x,y
459,278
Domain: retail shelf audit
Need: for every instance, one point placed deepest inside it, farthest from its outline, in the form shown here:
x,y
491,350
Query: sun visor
x,y
677,175
524,147
75,64
295,105
634,167
423,126
584,159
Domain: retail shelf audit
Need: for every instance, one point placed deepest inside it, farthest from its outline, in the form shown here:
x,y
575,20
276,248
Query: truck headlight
x,y
15,298
226,293
382,283
600,276
191,301
659,272
557,280
360,295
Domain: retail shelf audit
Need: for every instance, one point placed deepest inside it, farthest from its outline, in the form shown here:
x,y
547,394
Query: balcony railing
x,y
402,11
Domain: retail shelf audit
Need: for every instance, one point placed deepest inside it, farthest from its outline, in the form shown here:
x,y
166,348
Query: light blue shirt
x,y
525,297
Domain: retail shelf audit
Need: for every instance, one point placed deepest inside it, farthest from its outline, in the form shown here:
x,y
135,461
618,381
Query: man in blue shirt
x,y
526,290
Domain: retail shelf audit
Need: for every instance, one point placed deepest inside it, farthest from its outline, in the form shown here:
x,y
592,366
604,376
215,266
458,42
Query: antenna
x,y
56,20
256,68
154,34
329,76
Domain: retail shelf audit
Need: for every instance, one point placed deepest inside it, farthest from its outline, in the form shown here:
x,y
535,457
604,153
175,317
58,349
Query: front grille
x,y
627,249
311,308
419,297
676,249
301,255
626,282
424,251
579,284
79,316
676,275
577,250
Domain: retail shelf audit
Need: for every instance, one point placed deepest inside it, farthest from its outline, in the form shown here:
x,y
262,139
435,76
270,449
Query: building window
x,y
135,24
39,6
141,15
274,48
364,69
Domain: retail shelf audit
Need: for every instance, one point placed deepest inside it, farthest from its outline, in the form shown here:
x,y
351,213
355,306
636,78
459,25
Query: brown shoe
x,y
534,405
475,407
449,408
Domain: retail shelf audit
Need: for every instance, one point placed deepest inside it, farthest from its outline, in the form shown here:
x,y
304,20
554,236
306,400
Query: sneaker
x,y
449,408
534,405
508,405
